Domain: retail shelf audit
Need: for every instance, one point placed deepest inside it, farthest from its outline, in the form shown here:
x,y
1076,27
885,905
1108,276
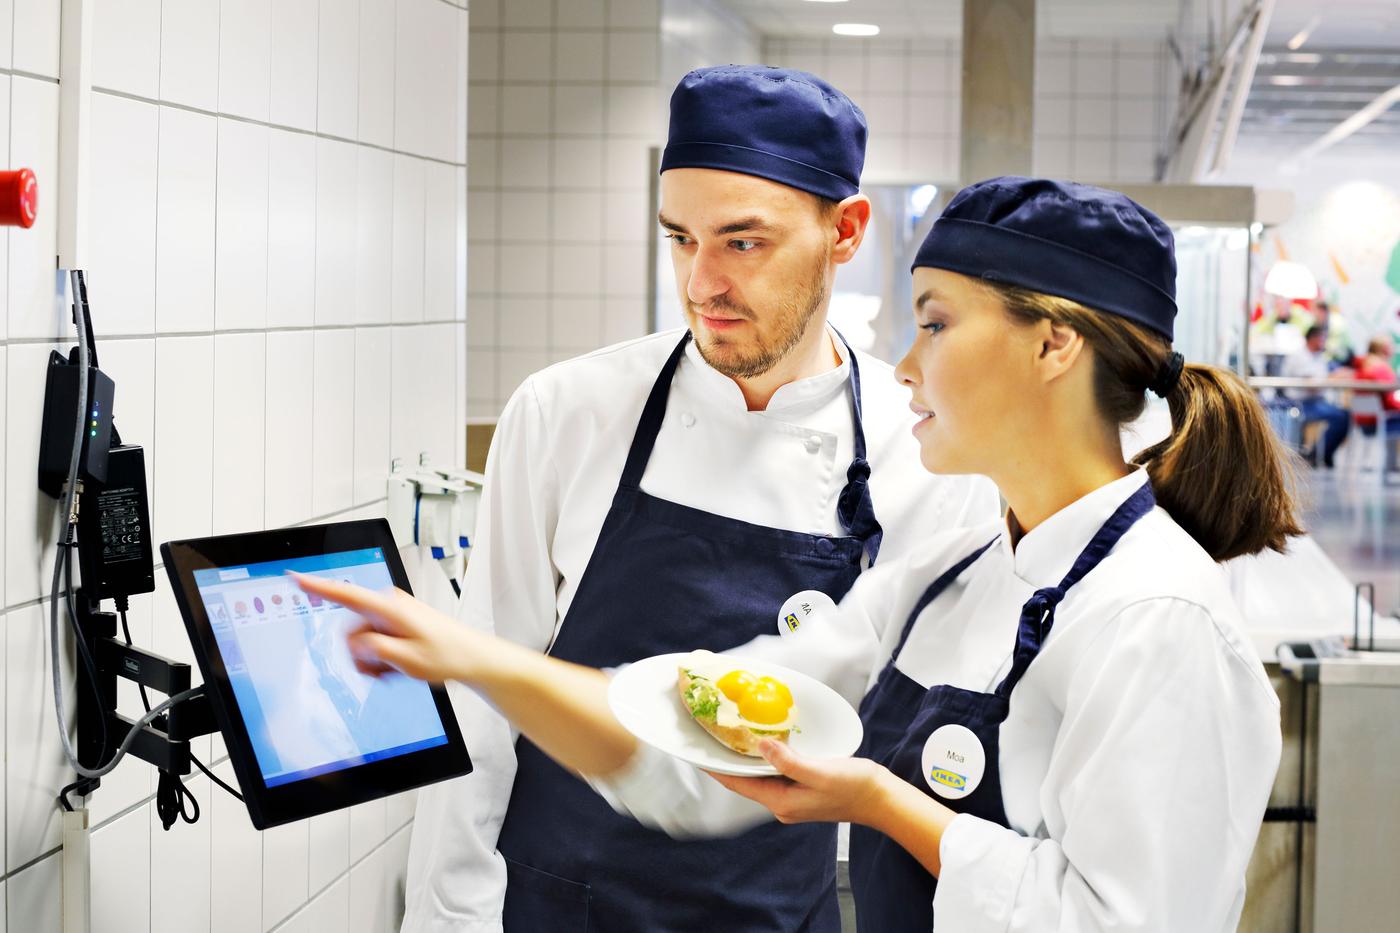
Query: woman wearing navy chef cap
x,y
1064,727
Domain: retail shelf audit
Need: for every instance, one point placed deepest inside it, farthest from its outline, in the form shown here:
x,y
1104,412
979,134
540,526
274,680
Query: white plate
x,y
643,696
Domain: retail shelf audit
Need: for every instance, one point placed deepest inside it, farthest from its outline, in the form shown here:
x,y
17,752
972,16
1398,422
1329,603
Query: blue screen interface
x,y
307,709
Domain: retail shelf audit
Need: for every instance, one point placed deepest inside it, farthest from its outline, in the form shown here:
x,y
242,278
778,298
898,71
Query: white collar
x,y
811,392
1046,553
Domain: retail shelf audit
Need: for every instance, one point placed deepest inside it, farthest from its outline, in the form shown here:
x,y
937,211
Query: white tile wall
x,y
567,98
277,272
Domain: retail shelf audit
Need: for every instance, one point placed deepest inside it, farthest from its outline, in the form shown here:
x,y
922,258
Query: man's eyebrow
x,y
670,224
746,225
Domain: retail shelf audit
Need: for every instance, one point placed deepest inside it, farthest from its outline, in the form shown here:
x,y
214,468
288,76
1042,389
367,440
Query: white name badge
x,y
953,762
804,610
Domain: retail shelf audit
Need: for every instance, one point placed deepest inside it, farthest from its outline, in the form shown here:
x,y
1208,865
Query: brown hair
x,y
1222,474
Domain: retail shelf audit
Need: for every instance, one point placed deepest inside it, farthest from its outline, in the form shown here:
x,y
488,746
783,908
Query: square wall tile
x,y
338,72
373,902
287,478
34,897
410,181
376,86
336,196
35,303
333,422
35,766
36,37
368,823
524,162
526,13
372,411
291,229
126,48
579,56
285,866
122,239
574,14
241,232
182,500
245,58
236,865
7,22
632,56
185,195
440,242
525,109
484,57
121,871
329,836
295,40
374,236
528,56
240,386
189,53
181,858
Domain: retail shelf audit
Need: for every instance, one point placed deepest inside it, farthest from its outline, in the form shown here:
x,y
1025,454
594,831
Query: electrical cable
x,y
122,606
69,513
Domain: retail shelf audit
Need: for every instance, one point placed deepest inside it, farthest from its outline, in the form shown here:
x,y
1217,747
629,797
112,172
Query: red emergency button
x,y
19,198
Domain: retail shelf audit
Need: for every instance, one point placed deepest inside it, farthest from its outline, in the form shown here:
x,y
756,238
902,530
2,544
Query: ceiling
x,y
942,19
1304,94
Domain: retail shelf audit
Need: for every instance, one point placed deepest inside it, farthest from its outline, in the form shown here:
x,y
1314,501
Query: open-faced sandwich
x,y
735,706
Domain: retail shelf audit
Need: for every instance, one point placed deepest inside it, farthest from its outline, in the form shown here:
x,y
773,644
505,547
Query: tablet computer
x,y
307,733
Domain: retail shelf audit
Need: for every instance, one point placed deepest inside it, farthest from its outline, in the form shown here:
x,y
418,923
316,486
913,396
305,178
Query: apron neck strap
x,y
652,415
933,591
1038,614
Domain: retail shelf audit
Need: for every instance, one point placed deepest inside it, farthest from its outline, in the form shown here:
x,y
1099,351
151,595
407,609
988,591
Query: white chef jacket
x,y
555,462
1140,747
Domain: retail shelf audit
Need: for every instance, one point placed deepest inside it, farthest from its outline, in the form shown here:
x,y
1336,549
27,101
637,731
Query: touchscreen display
x,y
307,709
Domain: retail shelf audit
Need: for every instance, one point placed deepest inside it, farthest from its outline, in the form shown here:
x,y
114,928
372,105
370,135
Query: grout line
x,y
126,95
58,341
388,838
159,565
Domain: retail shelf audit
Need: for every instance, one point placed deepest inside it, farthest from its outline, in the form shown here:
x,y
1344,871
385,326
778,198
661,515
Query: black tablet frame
x,y
296,800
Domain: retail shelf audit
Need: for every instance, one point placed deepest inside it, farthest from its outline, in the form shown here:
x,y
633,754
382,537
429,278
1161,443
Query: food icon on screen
x,y
296,599
240,608
276,599
258,604
219,614
315,600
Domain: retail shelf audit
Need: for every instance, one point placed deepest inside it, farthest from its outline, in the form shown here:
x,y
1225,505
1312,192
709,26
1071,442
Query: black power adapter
x,y
114,530
61,409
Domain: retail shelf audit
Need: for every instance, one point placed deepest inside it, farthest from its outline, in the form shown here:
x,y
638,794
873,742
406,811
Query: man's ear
x,y
849,219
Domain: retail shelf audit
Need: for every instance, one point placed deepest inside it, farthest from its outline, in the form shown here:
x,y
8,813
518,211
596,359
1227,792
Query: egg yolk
x,y
778,686
735,684
764,704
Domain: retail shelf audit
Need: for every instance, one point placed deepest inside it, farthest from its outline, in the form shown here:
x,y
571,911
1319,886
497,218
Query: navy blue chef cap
x,y
1087,244
787,126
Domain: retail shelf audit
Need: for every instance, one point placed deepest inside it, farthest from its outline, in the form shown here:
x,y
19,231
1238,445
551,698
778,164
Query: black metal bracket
x,y
165,742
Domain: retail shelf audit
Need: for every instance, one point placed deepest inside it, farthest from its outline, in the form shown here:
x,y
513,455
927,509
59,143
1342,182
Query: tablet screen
x,y
308,711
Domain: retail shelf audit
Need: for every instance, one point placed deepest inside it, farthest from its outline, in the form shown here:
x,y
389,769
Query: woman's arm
x,y
561,707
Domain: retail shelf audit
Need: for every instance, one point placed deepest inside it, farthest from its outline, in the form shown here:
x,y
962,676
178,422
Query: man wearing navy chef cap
x,y
686,490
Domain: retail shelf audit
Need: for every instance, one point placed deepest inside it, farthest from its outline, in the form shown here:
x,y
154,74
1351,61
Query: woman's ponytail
x,y
1222,474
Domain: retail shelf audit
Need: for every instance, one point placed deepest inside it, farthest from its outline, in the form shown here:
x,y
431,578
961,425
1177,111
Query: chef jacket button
x,y
814,443
687,419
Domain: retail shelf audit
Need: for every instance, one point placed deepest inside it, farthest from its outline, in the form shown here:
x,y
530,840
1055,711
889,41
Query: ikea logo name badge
x,y
947,778
954,761
803,611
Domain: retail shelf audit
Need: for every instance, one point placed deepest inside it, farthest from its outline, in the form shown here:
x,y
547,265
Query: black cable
x,y
65,555
456,587
167,797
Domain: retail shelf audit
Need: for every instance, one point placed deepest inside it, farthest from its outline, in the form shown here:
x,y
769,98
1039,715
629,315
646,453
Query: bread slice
x,y
698,697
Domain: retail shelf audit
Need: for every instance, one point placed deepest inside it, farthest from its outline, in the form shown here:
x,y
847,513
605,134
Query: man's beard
x,y
736,359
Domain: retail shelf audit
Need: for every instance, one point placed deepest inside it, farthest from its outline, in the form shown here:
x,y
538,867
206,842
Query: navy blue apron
x,y
893,892
664,577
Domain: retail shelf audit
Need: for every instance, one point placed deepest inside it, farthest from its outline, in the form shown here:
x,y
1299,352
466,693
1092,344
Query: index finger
x,y
361,599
